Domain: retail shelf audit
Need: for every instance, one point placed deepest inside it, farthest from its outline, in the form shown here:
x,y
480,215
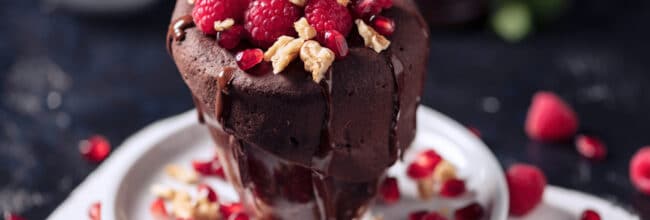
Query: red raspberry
x,y
550,118
424,164
591,147
452,188
95,149
640,170
266,20
206,12
230,38
526,185
326,15
389,190
590,215
473,211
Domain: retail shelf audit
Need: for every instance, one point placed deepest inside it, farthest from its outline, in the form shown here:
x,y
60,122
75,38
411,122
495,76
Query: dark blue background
x,y
65,75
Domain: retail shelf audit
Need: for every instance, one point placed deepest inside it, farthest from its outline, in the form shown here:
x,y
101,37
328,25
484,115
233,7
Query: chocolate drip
x,y
398,79
224,79
323,155
176,30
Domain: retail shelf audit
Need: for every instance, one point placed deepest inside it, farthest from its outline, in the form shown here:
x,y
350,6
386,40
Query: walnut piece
x,y
426,188
444,171
371,38
305,31
317,59
300,3
182,175
285,54
191,2
224,25
163,192
281,42
343,2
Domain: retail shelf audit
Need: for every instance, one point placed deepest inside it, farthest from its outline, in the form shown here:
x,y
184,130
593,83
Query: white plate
x,y
122,182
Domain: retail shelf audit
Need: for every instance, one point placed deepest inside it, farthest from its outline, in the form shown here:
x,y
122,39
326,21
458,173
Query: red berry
x,y
640,170
590,215
325,15
433,216
248,58
475,131
206,191
95,148
229,209
389,190
95,211
423,165
550,118
230,38
418,215
591,147
12,216
158,209
369,8
206,12
452,188
526,185
473,211
239,216
266,20
383,25
336,42
208,168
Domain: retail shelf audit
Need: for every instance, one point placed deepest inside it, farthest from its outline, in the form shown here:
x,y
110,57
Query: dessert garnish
x,y
95,149
95,211
550,118
591,147
526,185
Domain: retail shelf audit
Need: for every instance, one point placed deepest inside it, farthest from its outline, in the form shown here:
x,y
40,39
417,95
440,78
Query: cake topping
x,y
248,58
267,20
207,12
383,25
326,15
286,54
343,2
281,42
300,3
305,31
371,38
317,59
181,174
336,42
230,38
223,25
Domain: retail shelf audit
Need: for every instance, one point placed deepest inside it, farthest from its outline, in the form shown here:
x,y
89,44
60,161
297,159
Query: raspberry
x,y
640,170
247,59
12,216
418,215
424,164
591,147
325,15
452,188
550,118
383,25
389,190
158,209
526,185
590,215
266,20
95,149
336,42
473,211
230,38
95,211
206,12
205,191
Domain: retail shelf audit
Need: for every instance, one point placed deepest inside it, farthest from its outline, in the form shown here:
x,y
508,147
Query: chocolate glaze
x,y
176,30
295,149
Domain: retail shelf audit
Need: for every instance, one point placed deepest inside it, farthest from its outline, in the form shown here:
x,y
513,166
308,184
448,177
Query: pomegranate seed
x,y
475,131
418,215
424,164
452,188
389,190
206,191
248,58
230,38
208,168
383,25
640,170
95,149
261,69
229,209
158,209
336,42
12,216
590,215
369,8
238,216
473,211
95,211
433,216
591,147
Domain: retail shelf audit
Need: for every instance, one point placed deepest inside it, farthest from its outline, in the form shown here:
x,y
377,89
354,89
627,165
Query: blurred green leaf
x,y
512,21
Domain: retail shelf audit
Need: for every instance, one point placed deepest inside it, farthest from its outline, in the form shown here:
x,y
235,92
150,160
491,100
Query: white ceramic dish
x,y
122,182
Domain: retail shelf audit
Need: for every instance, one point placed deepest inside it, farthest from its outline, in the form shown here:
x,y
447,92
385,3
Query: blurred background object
x,y
68,72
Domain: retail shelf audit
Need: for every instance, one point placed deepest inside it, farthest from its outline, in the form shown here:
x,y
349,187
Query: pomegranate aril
x,y
158,209
12,216
475,131
640,170
227,210
591,147
336,42
248,58
368,8
207,192
95,149
473,211
230,38
238,216
433,216
389,190
423,165
383,25
95,211
590,215
418,215
208,168
452,188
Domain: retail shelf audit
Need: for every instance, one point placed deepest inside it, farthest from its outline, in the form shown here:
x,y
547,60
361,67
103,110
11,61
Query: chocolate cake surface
x,y
297,149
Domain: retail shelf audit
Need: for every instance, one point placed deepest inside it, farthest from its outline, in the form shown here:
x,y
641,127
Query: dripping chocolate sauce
x,y
224,79
176,30
397,68
323,156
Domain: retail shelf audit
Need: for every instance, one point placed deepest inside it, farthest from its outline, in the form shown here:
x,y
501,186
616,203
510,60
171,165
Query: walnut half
x,y
371,38
317,59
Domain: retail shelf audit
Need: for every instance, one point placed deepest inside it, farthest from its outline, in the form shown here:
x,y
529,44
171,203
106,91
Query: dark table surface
x,y
66,75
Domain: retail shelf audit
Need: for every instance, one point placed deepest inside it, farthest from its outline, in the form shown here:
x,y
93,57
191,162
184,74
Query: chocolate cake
x,y
296,147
